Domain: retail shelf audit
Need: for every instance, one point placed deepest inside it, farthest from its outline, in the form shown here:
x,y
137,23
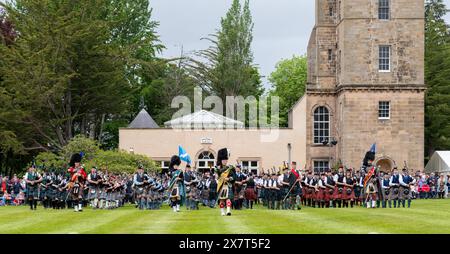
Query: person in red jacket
x,y
78,178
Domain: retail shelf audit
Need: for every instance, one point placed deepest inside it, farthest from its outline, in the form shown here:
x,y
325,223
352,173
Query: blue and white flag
x,y
373,149
184,156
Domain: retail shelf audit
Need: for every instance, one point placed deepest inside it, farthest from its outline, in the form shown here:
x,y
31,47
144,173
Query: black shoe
x,y
228,214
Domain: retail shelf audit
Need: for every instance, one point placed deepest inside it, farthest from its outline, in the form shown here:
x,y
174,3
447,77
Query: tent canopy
x,y
439,162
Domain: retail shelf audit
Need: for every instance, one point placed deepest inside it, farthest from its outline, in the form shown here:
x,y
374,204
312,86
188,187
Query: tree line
x,y
71,68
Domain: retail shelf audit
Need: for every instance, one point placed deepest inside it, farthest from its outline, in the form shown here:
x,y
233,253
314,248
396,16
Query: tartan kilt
x,y
76,192
372,196
309,193
358,193
102,194
320,195
250,194
348,193
394,193
32,192
338,192
328,194
404,193
93,193
226,192
42,193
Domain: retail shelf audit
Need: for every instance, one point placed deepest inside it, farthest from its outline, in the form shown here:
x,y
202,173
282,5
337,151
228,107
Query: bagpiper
x,y
77,182
45,192
284,181
349,194
406,181
385,188
94,187
32,180
371,192
139,181
190,181
227,176
394,183
239,188
176,185
330,184
339,179
322,190
295,187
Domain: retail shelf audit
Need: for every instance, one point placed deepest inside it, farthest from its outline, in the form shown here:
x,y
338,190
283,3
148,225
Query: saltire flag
x,y
184,156
373,148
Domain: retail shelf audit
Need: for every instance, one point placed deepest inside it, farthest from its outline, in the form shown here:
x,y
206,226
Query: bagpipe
x,y
224,177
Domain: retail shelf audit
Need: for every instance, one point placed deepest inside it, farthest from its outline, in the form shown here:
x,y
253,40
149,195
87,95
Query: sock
x,y
373,203
222,211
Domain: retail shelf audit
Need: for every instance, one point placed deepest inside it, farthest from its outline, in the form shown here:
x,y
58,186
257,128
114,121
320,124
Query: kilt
x,y
32,192
338,193
309,193
102,194
372,196
139,191
358,193
226,192
348,193
328,194
394,193
175,193
320,194
404,193
205,194
93,193
386,193
76,192
296,191
250,194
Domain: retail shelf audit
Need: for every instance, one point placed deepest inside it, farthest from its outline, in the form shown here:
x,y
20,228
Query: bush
x,y
121,161
114,160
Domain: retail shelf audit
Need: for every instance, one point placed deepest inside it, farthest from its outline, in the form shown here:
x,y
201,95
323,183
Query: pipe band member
x,y
227,177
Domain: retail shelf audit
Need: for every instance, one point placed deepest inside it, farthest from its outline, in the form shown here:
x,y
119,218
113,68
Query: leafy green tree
x,y
226,68
289,84
437,78
76,64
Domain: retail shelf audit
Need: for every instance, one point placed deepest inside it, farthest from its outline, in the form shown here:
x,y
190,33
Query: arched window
x,y
321,125
205,161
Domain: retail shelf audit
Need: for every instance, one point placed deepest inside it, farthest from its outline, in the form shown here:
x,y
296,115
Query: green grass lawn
x,y
426,216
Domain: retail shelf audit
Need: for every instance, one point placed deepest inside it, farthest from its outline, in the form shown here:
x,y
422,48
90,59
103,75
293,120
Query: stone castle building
x,y
365,86
366,81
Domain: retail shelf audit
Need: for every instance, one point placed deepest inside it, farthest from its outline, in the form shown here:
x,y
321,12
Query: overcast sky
x,y
282,27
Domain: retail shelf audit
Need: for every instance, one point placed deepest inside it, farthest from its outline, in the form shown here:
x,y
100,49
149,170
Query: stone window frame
x,y
324,169
382,109
384,10
382,57
330,55
314,122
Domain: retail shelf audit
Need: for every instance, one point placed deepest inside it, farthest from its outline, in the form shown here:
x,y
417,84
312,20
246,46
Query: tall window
x,y
321,125
384,58
321,166
383,9
205,161
384,110
330,55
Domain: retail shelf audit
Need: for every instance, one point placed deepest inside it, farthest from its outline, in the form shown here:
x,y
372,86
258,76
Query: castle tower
x,y
366,83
